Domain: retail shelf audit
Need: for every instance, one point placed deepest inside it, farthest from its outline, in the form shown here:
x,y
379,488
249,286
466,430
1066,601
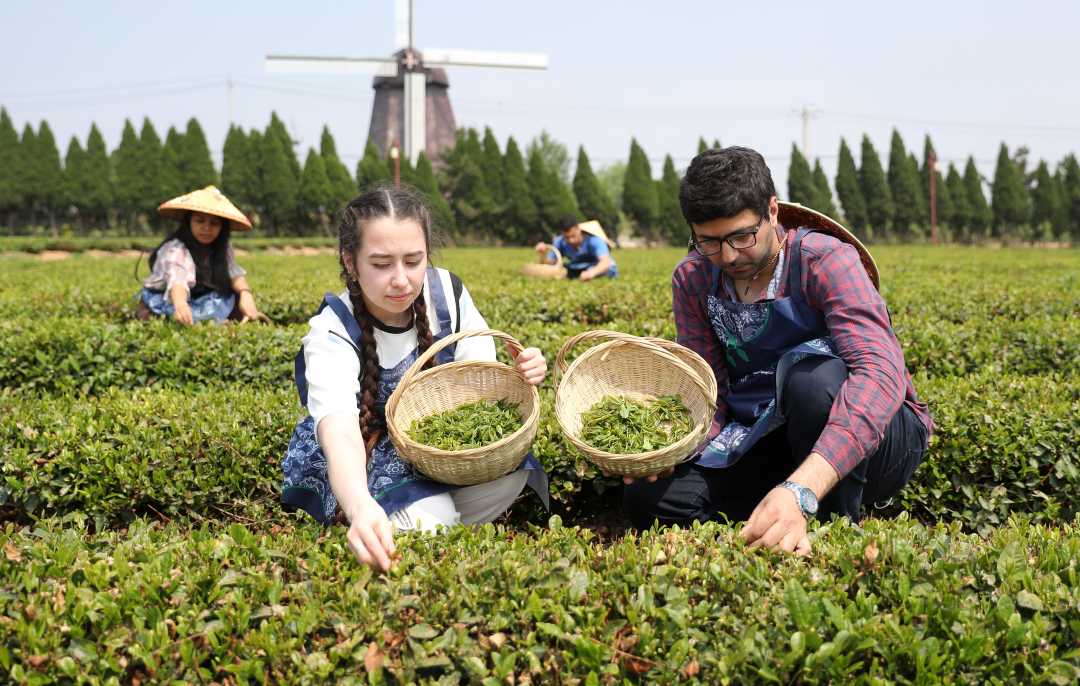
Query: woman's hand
x,y
371,536
249,312
532,365
182,313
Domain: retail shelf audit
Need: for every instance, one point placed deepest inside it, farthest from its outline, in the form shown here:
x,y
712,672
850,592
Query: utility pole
x,y
229,88
931,162
807,114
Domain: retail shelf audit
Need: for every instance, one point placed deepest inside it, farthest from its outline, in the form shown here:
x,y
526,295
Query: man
x,y
816,412
584,247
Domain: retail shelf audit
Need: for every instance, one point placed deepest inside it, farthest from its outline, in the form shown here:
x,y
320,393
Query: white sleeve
x,y
482,348
332,370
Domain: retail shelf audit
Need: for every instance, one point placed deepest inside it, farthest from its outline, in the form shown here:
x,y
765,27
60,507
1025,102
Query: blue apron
x,y
391,481
761,341
210,306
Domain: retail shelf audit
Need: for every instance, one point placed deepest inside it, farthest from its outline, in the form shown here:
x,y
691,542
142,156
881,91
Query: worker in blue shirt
x,y
585,250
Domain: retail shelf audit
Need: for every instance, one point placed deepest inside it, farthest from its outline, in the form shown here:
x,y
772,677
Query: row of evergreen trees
x,y
484,193
894,205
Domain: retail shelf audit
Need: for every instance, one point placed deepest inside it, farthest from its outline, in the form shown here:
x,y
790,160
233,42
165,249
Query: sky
x,y
970,74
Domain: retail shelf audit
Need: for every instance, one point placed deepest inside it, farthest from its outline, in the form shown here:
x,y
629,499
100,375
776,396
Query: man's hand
x,y
542,249
586,275
651,478
778,522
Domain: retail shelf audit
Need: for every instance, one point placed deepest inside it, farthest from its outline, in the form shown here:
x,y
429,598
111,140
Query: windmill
x,y
404,110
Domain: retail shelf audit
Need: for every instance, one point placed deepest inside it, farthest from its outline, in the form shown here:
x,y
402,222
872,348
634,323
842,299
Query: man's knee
x,y
677,499
640,503
811,386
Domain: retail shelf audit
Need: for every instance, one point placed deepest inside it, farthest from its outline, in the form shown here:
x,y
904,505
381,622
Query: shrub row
x,y
890,602
1003,444
37,244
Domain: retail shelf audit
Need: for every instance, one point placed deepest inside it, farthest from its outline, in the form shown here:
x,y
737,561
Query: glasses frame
x,y
695,244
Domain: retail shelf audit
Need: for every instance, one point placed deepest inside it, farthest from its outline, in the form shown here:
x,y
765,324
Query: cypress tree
x,y
277,129
315,191
235,171
11,169
670,218
195,162
469,197
960,209
278,184
875,190
424,181
151,184
129,180
981,216
1009,197
639,192
552,197
51,190
1046,203
522,221
904,187
801,188
31,179
172,178
97,195
1070,171
822,192
849,192
74,176
591,198
491,164
342,189
370,170
702,146
716,143
555,155
924,183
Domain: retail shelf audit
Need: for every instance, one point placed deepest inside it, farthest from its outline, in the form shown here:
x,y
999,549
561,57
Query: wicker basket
x,y
641,369
444,387
547,271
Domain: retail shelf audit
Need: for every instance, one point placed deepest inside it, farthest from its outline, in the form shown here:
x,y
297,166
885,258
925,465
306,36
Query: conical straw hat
x,y
208,200
792,215
593,227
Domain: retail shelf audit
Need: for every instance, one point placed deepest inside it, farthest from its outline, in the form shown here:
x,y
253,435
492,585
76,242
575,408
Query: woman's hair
x,y
378,202
219,262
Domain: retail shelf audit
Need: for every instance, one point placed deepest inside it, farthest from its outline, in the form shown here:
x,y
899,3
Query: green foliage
x,y
342,188
875,190
639,193
196,166
702,146
280,188
425,181
909,203
48,178
97,193
491,168
823,200
315,190
73,172
12,168
522,218
801,187
267,599
554,154
1048,203
849,193
1010,200
592,199
239,170
612,179
125,162
172,178
474,207
552,197
625,426
370,170
1070,172
276,129
981,215
472,425
670,221
960,216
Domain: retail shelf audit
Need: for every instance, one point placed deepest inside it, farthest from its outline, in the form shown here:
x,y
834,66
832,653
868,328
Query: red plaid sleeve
x,y
836,283
689,290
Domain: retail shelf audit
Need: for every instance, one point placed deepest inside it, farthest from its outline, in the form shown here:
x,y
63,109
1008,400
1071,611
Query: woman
x,y
194,276
359,346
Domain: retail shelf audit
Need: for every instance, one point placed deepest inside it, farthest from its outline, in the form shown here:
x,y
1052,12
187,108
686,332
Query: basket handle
x,y
435,347
629,339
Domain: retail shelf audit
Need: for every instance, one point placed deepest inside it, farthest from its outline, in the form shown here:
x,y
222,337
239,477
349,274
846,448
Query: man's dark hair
x,y
723,182
565,222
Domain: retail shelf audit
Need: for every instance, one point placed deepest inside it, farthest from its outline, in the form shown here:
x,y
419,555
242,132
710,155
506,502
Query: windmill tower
x,y
411,102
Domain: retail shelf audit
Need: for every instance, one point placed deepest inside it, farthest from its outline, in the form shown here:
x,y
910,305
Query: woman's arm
x,y
248,310
178,294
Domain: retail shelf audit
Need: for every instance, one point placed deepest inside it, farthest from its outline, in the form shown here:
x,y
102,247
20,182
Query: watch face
x,y
808,502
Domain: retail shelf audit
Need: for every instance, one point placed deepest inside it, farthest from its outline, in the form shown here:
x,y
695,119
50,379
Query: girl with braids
x,y
359,346
193,273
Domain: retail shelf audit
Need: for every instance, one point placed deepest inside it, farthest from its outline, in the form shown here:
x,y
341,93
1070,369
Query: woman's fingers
x,y
532,365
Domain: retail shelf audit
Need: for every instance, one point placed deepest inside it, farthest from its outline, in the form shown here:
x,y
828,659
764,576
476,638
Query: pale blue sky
x,y
971,74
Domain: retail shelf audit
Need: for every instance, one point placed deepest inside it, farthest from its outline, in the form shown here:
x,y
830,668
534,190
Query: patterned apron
x,y
391,481
762,341
210,306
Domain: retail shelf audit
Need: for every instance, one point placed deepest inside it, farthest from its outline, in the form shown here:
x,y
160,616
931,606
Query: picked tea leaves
x,y
472,425
623,426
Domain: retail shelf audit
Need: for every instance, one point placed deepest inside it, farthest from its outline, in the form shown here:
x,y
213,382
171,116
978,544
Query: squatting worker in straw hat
x,y
395,305
585,248
816,411
193,272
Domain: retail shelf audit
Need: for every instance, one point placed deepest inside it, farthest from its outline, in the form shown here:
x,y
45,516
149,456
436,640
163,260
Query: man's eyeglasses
x,y
739,240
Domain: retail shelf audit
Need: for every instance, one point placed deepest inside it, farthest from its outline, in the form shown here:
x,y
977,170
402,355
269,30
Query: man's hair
x,y
566,222
723,182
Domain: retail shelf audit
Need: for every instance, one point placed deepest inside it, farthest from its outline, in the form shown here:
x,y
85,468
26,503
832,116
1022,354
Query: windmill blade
x,y
440,57
297,64
402,24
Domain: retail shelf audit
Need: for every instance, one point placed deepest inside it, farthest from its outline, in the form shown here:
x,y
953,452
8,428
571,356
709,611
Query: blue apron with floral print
x,y
391,481
762,341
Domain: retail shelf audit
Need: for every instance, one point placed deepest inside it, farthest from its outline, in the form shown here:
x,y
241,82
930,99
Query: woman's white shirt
x,y
333,366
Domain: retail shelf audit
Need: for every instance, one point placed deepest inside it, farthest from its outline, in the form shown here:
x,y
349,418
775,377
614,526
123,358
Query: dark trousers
x,y
697,493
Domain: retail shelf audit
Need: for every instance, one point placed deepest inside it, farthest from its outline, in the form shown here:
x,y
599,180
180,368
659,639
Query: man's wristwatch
x,y
804,496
